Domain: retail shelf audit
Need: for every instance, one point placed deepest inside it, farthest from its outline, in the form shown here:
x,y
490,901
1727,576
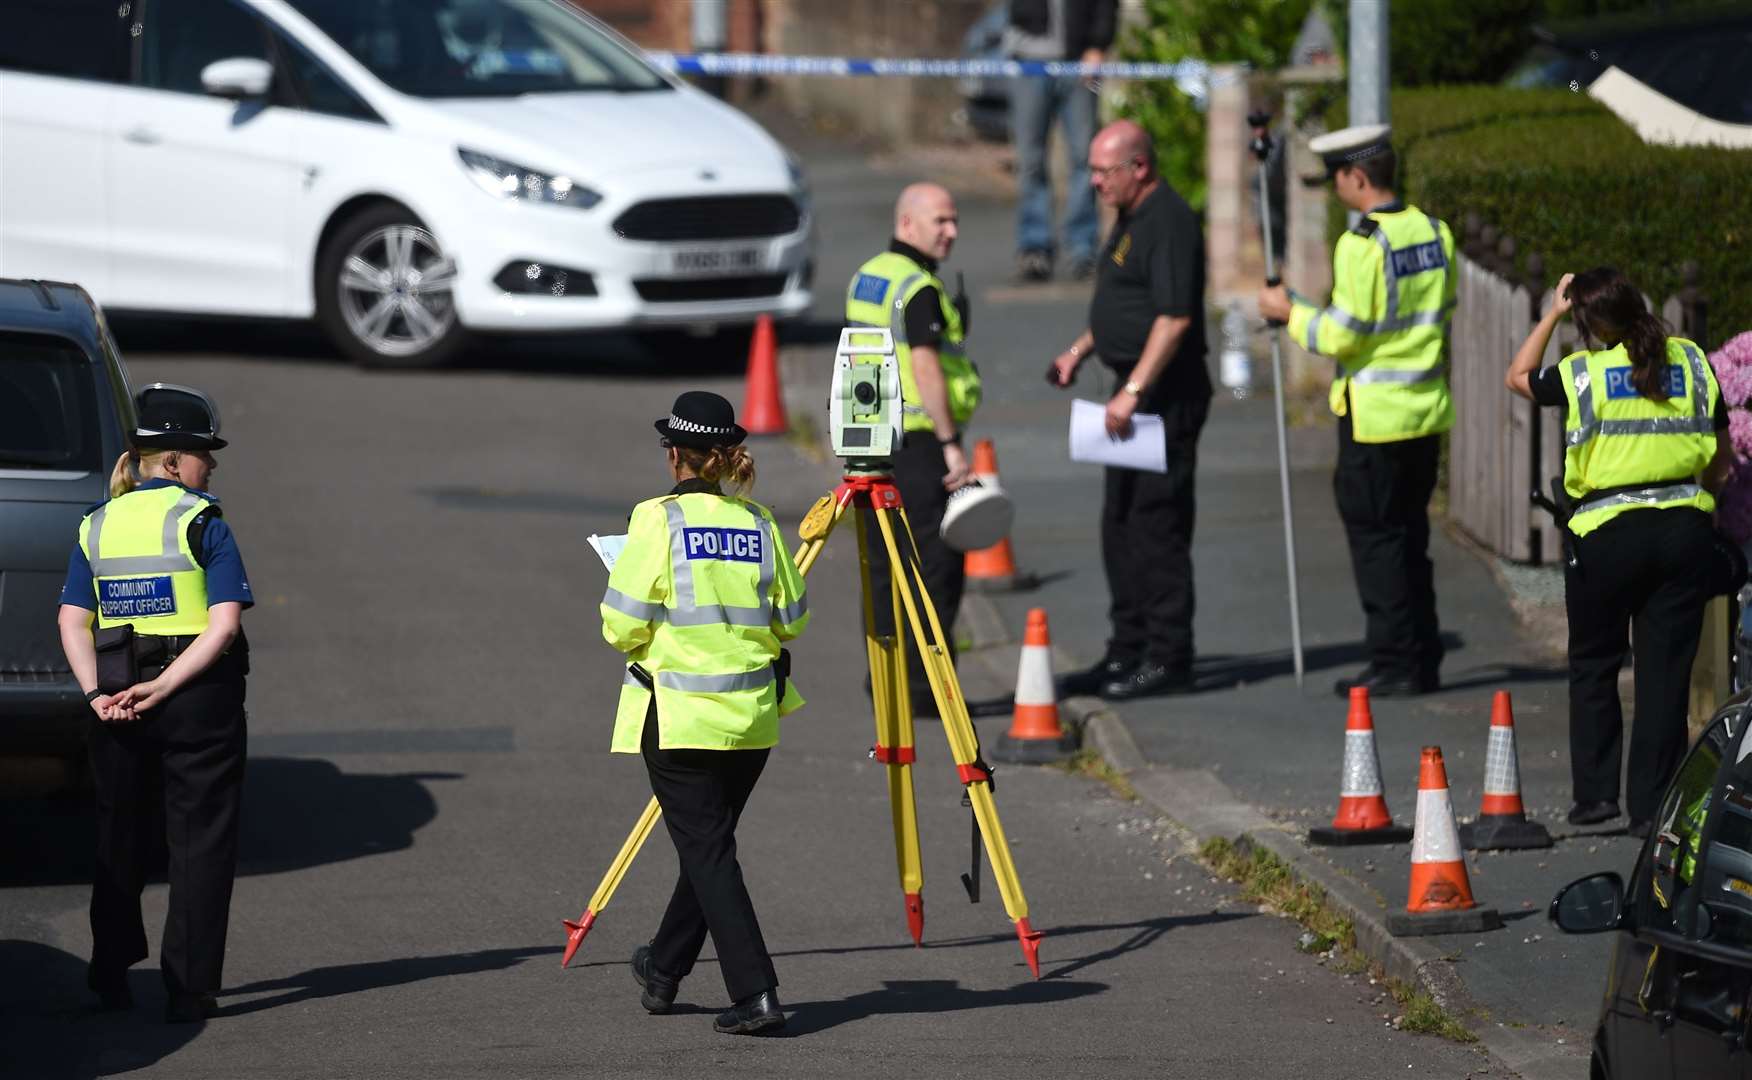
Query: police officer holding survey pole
x,y
1393,290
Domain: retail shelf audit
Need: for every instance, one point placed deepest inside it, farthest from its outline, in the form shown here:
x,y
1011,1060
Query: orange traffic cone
x,y
992,569
1362,807
1440,900
1502,820
763,407
1035,733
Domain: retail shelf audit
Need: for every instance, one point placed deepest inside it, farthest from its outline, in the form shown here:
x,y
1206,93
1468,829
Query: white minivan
x,y
402,170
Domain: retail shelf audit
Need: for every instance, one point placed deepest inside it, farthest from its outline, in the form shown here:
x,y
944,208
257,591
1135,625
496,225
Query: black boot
x,y
1090,680
659,989
1148,680
751,1015
1592,813
1380,683
111,988
186,1008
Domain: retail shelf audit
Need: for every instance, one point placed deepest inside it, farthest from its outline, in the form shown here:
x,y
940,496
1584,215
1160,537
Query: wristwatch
x,y
1134,388
93,696
954,439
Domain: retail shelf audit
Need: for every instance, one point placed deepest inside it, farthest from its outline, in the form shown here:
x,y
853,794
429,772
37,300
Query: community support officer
x,y
940,389
1147,324
1393,289
1642,457
164,674
699,600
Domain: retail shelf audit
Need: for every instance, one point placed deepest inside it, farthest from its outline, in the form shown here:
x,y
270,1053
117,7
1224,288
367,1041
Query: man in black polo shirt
x,y
1147,324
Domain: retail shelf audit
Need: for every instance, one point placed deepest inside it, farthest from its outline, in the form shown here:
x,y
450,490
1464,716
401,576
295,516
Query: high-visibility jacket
x,y
1393,290
144,572
878,296
701,597
1623,451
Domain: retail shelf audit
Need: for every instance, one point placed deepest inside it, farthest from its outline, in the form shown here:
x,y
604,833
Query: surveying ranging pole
x,y
865,421
1369,72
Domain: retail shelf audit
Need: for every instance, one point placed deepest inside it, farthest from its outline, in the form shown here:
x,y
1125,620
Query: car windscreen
x,y
48,405
480,48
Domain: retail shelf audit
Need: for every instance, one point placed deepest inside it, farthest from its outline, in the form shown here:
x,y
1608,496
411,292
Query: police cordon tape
x,y
1186,72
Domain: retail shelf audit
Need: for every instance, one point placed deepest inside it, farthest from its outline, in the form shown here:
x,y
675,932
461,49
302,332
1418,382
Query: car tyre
x,y
385,292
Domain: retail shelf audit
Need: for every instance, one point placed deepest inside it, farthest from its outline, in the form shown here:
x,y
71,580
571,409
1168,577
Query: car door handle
x,y
143,136
1662,1017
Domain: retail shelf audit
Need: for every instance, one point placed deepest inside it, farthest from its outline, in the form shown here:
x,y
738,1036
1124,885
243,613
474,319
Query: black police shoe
x,y
186,1008
752,1015
1090,680
1592,813
1034,266
111,988
659,989
1381,683
1148,680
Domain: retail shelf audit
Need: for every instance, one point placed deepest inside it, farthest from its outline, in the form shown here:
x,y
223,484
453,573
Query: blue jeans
x,y
1033,105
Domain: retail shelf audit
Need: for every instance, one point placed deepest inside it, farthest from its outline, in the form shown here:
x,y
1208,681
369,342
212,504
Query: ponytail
x,y
729,466
132,467
1646,344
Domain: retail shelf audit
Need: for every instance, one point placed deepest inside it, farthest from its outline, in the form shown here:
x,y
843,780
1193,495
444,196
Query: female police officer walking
x,y
1641,461
699,601
165,678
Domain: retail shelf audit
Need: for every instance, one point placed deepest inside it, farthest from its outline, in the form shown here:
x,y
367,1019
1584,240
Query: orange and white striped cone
x,y
1440,900
1502,819
1362,816
993,569
1035,734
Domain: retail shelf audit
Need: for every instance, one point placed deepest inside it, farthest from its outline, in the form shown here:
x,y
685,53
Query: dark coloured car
x,y
1680,980
65,411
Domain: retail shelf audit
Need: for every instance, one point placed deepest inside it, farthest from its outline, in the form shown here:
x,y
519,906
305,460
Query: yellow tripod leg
x,y
894,738
816,528
958,727
611,880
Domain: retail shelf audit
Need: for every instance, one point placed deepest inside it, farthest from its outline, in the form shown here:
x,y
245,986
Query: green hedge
x,y
1567,179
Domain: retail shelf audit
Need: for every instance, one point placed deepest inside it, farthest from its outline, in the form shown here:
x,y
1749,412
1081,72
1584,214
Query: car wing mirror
x,y
238,78
1591,905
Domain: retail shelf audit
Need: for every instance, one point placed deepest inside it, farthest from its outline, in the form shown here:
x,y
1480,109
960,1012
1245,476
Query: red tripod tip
x,y
1030,938
575,935
915,917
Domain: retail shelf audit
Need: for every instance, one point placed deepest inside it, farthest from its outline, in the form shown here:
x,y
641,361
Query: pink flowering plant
x,y
1733,369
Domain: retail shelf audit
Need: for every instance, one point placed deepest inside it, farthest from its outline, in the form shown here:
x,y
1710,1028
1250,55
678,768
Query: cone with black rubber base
x,y
1440,899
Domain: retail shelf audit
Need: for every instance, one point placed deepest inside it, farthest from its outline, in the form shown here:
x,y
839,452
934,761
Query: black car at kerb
x,y
65,411
1680,982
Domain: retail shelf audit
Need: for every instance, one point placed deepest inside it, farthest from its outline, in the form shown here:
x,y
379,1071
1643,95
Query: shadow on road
x,y
1222,672
911,996
297,813
343,979
51,1029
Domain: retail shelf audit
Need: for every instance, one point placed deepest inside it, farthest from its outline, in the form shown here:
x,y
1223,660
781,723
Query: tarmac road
x,y
430,791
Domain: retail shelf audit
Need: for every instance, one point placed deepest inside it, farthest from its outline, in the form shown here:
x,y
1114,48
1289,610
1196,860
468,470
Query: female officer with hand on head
x,y
699,600
159,571
1641,462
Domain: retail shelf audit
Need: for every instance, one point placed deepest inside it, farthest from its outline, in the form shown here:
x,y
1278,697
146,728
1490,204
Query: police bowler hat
x,y
701,420
171,417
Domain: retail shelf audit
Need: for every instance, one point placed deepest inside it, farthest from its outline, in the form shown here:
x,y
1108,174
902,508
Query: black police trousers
x,y
919,469
1644,571
190,747
1146,545
1383,493
702,793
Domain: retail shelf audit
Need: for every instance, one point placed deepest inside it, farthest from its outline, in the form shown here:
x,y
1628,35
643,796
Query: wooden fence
x,y
1503,447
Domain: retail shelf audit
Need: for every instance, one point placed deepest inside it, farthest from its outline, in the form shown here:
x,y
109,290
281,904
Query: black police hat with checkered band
x,y
701,420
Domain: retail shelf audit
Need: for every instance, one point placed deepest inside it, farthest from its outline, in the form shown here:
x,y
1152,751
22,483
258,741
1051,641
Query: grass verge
x,y
1266,880
1090,763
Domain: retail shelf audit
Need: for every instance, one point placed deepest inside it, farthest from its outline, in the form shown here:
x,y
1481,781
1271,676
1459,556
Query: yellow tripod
x,y
894,747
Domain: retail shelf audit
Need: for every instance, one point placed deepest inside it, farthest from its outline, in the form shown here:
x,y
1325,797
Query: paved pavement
x,y
430,792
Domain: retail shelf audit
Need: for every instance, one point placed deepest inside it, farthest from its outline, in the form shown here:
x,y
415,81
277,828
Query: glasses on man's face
x,y
1106,172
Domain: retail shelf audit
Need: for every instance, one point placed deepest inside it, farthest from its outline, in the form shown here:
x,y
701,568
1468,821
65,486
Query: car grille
x,y
713,217
666,291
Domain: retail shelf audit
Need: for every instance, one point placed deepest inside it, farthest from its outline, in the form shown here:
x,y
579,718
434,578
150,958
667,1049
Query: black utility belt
x,y
123,655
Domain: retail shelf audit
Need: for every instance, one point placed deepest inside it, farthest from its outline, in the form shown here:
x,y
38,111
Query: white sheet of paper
x,y
1146,448
608,548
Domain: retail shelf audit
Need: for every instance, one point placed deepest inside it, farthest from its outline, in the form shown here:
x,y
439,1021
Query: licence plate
x,y
718,260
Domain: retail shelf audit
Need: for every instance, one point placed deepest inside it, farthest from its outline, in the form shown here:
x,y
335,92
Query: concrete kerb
x,y
1206,808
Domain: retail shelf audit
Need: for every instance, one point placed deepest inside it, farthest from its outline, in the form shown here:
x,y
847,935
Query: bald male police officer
x,y
1393,288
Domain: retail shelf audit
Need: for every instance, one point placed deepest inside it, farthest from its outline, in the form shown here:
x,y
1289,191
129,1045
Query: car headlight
x,y
506,180
799,180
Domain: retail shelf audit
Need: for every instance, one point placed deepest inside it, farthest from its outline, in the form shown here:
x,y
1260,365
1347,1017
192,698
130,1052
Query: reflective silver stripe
x,y
1586,424
1348,321
1313,336
791,613
626,605
1666,425
1699,382
718,615
1387,271
769,536
690,683
1645,497
679,567
170,559
627,679
1395,375
897,310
